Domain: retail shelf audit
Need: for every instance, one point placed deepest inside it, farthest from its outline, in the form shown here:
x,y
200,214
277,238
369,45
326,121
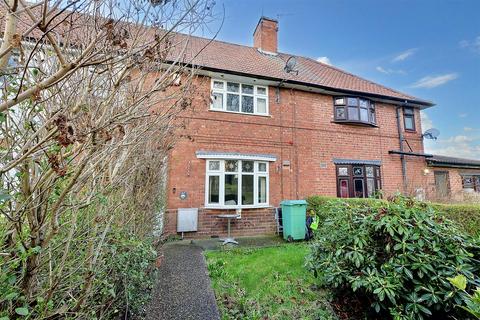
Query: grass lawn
x,y
266,283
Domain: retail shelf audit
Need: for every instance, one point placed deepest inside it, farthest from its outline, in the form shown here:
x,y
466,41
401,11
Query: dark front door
x,y
441,184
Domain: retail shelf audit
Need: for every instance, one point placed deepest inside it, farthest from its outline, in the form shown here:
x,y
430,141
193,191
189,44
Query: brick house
x,y
269,126
264,130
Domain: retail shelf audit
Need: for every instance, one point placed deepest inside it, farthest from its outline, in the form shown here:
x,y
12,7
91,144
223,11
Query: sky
x,y
429,49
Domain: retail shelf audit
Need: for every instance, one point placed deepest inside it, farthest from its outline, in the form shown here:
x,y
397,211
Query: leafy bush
x,y
472,301
126,281
467,216
397,254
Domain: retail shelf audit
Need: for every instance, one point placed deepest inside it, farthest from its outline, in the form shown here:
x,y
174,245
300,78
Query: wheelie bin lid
x,y
293,202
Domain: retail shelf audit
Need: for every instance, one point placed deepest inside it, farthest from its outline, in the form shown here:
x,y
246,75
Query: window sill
x,y
356,123
242,113
410,131
211,207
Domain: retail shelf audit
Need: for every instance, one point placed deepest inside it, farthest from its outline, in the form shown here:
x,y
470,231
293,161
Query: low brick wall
x,y
253,222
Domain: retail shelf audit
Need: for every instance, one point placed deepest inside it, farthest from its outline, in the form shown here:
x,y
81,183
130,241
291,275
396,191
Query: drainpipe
x,y
277,100
402,157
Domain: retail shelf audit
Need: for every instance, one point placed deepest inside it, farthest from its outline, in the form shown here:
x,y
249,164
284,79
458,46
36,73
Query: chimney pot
x,y
265,35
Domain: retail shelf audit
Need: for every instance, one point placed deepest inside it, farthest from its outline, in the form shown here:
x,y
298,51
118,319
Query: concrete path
x,y
183,290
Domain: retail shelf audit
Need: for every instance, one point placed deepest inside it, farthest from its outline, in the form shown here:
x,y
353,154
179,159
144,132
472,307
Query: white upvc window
x,y
236,184
231,96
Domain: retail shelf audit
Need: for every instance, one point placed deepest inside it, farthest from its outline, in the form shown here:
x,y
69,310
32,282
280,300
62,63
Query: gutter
x,y
414,154
453,165
393,100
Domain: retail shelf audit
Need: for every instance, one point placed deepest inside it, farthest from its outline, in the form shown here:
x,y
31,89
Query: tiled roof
x,y
451,161
245,60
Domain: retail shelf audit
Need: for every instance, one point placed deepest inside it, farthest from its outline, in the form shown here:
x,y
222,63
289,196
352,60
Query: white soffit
x,y
234,156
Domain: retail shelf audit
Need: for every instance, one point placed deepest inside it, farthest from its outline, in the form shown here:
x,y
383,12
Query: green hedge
x,y
467,216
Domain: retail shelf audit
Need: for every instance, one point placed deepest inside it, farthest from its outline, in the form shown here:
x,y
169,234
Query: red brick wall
x,y
265,36
457,194
253,222
299,129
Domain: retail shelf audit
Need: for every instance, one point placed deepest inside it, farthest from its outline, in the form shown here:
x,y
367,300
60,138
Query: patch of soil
x,y
348,306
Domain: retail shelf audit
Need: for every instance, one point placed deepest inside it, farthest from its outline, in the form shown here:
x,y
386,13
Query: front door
x,y
441,184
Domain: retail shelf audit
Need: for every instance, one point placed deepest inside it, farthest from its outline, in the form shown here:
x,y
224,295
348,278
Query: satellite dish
x,y
431,134
290,65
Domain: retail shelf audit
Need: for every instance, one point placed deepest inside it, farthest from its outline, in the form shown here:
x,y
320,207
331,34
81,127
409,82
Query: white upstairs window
x,y
230,96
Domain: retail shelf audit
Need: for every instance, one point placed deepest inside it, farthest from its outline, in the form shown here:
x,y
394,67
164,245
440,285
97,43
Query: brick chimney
x,y
265,35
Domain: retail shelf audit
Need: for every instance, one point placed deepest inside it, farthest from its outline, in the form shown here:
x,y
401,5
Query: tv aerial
x,y
290,65
431,134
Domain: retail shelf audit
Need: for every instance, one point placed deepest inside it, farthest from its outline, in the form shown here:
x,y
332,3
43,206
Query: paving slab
x,y
258,241
183,290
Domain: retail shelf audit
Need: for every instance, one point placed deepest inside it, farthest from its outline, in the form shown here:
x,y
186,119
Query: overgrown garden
x,y
88,112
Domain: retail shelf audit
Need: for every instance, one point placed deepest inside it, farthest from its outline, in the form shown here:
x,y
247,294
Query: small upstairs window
x,y
230,96
409,119
354,110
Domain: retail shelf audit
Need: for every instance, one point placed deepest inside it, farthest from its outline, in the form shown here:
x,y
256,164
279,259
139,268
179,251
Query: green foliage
x,y
266,283
122,277
472,301
466,216
459,282
4,196
398,254
125,282
322,205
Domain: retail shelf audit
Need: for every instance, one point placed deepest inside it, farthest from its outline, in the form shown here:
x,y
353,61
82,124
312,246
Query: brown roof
x,y
226,57
445,161
245,60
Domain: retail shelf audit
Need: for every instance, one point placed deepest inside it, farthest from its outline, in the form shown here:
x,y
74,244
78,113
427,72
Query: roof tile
x,y
231,57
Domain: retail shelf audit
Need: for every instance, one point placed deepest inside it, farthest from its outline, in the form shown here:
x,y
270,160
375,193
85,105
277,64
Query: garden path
x,y
183,290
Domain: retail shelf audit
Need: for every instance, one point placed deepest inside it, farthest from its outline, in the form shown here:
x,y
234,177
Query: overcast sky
x,y
428,48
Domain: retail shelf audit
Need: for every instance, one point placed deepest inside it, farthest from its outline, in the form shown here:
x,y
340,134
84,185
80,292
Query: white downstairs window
x,y
236,184
230,96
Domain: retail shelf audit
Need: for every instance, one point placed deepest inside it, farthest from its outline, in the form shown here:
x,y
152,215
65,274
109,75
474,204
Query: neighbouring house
x,y
269,126
454,178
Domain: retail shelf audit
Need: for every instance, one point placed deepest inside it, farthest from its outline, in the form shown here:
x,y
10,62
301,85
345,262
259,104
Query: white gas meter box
x,y
187,219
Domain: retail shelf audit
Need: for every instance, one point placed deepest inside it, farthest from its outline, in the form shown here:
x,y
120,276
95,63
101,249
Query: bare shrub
x,y
90,95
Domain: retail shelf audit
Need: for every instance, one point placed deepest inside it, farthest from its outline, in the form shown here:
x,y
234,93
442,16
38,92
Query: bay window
x,y
236,183
354,109
358,180
230,96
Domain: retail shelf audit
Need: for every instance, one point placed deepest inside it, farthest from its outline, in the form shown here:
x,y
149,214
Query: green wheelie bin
x,y
294,214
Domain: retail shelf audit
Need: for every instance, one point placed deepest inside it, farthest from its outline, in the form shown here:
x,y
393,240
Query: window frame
x,y
224,92
475,184
350,177
411,116
222,172
346,106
